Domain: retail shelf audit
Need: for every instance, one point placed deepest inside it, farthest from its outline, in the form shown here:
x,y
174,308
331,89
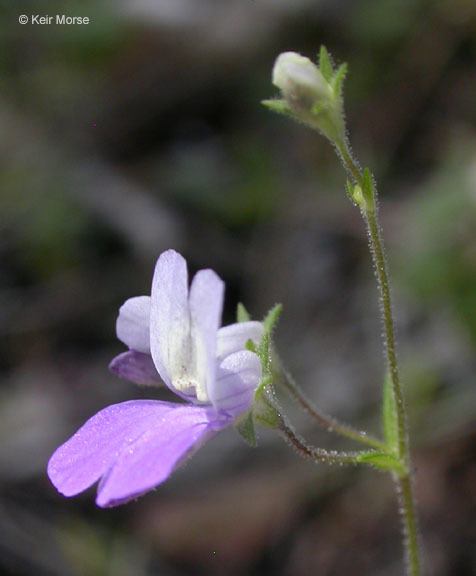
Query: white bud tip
x,y
299,79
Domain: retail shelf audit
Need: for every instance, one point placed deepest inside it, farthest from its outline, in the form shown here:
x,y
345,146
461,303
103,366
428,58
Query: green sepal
x,y
325,64
264,412
389,416
271,318
242,313
246,429
263,385
338,79
383,461
318,108
251,346
278,105
263,348
262,352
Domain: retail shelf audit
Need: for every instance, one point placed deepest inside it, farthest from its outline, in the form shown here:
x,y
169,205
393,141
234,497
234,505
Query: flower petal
x,y
84,458
169,317
102,442
233,338
132,325
136,367
178,432
238,376
206,304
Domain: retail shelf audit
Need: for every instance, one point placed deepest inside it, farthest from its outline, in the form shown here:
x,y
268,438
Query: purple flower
x,y
173,337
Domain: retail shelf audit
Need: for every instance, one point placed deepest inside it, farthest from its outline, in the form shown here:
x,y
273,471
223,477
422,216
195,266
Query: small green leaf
x,y
271,318
389,416
355,193
325,64
277,105
246,428
338,79
382,460
368,189
241,313
350,188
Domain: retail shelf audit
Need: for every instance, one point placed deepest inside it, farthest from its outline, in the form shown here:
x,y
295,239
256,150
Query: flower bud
x,y
300,81
310,93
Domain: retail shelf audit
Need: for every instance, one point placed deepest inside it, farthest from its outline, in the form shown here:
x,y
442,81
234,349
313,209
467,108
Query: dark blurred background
x,y
143,130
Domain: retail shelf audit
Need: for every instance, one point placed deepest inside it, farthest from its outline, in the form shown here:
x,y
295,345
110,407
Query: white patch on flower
x,y
201,364
187,362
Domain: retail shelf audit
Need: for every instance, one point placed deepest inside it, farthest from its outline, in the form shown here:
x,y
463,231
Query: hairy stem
x,y
316,454
326,421
382,276
410,525
404,485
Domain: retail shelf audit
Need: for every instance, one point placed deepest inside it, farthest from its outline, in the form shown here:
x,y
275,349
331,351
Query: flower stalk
x,y
327,422
313,453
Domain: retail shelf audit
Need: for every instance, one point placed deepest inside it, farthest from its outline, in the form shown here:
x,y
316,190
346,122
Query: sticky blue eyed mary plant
x,y
226,376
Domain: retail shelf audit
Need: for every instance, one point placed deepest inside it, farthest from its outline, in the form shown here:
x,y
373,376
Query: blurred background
x,y
142,131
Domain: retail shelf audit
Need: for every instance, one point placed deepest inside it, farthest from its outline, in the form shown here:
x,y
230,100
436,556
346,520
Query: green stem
x,y
326,421
382,276
370,215
410,527
349,162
